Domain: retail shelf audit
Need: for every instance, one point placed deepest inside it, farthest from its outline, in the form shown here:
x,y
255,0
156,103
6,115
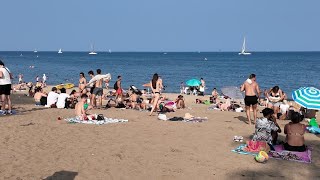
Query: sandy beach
x,y
36,145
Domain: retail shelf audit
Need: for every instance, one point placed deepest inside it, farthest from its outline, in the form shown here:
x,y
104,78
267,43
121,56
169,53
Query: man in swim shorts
x,y
98,90
252,92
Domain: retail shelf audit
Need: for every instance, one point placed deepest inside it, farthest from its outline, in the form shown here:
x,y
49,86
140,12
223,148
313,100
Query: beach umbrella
x,y
193,82
308,97
232,91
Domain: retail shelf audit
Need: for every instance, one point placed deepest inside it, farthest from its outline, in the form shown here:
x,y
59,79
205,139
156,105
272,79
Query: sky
x,y
160,25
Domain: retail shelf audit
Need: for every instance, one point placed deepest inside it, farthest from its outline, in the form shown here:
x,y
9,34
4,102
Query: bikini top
x,y
276,95
294,133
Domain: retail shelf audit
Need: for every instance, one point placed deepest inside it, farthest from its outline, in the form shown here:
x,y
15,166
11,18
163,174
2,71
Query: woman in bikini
x,y
295,134
275,96
155,86
82,84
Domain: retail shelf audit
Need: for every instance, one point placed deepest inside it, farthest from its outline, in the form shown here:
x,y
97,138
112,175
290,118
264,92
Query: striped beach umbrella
x,y
308,97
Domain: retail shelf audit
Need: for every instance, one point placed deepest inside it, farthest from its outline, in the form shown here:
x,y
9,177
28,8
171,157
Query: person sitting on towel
x,y
295,134
267,128
82,107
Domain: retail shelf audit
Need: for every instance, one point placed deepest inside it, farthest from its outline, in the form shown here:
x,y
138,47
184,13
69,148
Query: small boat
x,y
60,51
92,52
21,55
205,59
243,50
35,51
109,50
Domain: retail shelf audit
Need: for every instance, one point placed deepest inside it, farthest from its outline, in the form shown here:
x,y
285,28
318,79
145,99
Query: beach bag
x,y
100,117
115,86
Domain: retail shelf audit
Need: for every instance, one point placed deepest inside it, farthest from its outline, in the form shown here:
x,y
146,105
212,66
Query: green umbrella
x,y
193,82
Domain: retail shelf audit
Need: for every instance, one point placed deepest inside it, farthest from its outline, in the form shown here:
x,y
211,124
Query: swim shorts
x,y
251,100
119,91
97,91
5,89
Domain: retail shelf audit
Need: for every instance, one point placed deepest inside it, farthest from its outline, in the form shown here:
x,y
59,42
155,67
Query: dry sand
x,y
35,145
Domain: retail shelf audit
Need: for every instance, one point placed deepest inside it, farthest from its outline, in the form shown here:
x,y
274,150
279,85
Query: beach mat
x,y
239,150
280,153
96,122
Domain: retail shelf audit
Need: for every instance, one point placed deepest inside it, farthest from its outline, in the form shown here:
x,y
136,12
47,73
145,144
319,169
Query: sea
x,y
288,70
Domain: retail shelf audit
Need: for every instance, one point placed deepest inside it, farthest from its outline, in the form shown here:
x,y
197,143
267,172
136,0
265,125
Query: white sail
x,y
60,51
92,52
243,50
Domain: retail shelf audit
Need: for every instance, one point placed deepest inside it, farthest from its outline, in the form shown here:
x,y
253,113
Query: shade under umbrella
x,y
193,82
232,91
308,97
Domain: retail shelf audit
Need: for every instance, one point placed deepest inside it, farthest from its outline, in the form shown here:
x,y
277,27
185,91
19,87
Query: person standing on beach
x,y
155,86
5,88
37,79
118,88
91,74
252,92
98,90
82,83
44,80
20,77
203,84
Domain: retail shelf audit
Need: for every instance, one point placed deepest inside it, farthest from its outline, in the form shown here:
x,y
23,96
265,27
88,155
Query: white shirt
x,y
52,98
5,76
62,100
284,108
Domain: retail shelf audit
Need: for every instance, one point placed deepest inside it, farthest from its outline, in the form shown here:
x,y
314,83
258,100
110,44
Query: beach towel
x,y
196,120
14,112
256,146
97,122
240,150
281,153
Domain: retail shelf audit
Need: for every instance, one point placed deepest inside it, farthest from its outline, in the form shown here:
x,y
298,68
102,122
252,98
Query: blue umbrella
x,y
193,82
308,97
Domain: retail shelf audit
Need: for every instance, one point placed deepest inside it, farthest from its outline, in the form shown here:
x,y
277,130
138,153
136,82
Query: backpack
x,y
115,86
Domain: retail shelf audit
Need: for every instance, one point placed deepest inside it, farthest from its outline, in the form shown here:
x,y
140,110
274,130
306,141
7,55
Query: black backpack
x,y
115,86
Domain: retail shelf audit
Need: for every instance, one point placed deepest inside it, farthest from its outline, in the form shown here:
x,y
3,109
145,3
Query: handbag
x,y
100,117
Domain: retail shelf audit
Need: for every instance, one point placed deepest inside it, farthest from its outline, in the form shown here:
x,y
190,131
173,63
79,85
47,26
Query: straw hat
x,y
188,116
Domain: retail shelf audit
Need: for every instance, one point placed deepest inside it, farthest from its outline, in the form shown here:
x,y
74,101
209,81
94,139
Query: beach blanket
x,y
14,112
196,120
241,150
100,122
280,153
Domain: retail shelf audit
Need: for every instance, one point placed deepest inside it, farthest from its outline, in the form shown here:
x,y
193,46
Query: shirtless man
x,y
98,90
80,108
252,92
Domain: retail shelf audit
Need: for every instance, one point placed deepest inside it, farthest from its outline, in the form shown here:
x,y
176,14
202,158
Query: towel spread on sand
x,y
281,153
240,150
97,122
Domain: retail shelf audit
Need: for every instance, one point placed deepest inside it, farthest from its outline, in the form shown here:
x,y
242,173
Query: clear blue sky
x,y
160,25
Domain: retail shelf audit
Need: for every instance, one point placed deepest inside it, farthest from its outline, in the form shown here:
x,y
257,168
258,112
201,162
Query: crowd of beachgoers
x,y
92,94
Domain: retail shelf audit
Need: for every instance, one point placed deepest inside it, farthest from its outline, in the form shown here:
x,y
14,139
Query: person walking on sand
x,y
155,87
203,84
5,88
44,80
252,92
118,88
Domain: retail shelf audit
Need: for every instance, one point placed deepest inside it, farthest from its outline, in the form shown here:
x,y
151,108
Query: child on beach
x,y
82,107
267,128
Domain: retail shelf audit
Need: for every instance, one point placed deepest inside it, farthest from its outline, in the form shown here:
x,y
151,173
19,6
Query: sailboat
x,y
60,51
109,50
92,52
243,50
35,51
